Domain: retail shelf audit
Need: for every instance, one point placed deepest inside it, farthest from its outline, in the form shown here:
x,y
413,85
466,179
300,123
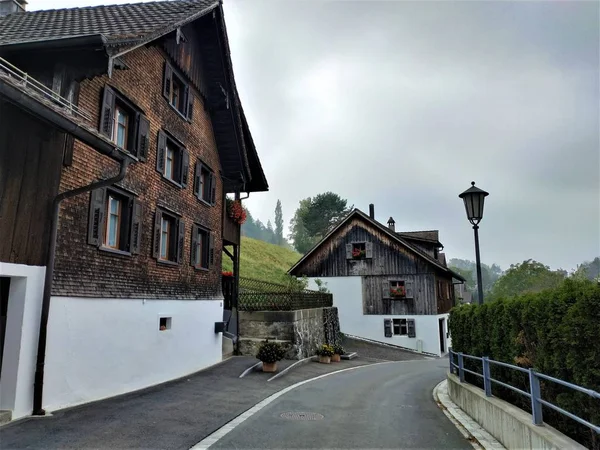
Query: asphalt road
x,y
378,406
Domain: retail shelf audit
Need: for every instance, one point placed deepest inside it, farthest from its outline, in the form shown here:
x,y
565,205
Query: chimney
x,y
372,211
12,6
392,224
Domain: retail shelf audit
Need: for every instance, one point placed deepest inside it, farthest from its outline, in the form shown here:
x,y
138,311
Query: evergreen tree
x,y
279,224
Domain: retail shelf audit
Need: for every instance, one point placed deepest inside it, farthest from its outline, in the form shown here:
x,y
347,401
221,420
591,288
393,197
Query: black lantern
x,y
474,198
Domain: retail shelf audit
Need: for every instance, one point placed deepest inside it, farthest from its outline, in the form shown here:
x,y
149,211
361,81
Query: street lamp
x,y
474,198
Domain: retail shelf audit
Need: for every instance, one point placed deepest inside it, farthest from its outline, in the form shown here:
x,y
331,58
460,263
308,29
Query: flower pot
x,y
269,367
336,358
324,359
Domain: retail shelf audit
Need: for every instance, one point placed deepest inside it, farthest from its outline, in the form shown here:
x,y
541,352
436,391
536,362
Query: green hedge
x,y
557,332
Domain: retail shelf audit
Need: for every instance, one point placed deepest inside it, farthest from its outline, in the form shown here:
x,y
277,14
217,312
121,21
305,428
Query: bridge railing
x,y
534,393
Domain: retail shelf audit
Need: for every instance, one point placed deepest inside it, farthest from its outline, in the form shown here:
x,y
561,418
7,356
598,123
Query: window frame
x,y
171,77
210,181
106,241
181,159
175,237
364,246
203,240
402,323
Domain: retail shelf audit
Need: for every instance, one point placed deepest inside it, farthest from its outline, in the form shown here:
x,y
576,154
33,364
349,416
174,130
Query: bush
x,y
270,352
556,332
338,349
325,350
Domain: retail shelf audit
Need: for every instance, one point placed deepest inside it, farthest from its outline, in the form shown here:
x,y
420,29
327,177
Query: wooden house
x,y
392,287
121,134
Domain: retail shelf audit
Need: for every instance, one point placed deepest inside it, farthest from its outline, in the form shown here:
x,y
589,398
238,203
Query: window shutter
x,y
190,105
411,328
197,180
157,223
160,151
185,167
409,289
107,113
180,241
387,327
348,251
213,189
136,227
194,252
385,286
167,80
96,217
211,249
143,138
369,249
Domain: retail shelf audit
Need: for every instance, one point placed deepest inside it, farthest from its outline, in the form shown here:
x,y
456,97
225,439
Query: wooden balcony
x,y
231,231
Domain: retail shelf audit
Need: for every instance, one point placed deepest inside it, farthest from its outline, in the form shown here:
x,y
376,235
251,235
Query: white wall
x,y
347,297
99,348
21,338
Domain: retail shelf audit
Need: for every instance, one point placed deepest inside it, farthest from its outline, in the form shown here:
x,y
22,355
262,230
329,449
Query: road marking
x,y
229,426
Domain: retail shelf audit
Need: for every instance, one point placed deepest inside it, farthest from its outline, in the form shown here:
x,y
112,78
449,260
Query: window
x,y
177,92
115,220
397,289
205,186
169,230
164,323
400,327
359,250
172,159
202,248
124,124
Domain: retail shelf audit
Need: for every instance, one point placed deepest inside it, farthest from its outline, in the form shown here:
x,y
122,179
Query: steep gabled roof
x,y
432,235
128,24
395,236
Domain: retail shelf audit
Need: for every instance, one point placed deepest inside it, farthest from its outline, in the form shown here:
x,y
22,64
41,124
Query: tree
x,y
468,269
270,234
279,224
528,276
315,217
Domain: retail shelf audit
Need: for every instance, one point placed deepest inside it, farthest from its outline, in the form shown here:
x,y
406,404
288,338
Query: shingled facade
x,y
138,263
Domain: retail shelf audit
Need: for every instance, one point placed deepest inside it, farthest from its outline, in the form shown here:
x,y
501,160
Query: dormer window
x,y
359,250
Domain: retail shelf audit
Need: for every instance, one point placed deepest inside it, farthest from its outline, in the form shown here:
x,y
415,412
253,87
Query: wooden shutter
x,y
211,249
156,244
385,286
410,323
160,151
369,249
143,138
348,251
107,113
136,227
190,105
387,327
96,217
194,252
213,189
180,241
197,192
167,81
409,289
185,166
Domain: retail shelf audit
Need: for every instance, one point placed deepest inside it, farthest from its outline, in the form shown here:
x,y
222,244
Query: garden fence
x,y
256,295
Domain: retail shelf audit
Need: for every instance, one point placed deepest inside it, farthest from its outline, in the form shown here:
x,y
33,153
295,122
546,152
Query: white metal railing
x,y
27,81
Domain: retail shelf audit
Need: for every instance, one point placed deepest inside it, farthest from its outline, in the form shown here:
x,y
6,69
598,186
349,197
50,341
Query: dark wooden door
x,y
442,336
4,290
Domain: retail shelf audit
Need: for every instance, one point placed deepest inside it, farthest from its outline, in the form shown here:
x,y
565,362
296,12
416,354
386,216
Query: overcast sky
x,y
403,104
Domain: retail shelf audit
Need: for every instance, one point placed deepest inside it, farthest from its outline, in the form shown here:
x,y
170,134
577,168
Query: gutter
x,y
38,389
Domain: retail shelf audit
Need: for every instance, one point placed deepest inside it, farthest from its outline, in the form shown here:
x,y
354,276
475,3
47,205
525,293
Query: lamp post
x,y
474,198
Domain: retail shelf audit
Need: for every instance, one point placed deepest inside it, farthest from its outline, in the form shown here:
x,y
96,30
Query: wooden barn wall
x,y
389,257
424,301
31,154
445,294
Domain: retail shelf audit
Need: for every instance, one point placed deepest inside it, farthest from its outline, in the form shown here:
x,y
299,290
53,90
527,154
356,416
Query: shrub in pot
x,y
325,353
338,351
269,353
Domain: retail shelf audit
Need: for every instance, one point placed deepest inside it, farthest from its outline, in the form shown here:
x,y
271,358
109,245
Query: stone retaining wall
x,y
300,332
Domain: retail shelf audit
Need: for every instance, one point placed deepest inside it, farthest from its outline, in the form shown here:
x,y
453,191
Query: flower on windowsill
x,y
236,211
357,253
398,292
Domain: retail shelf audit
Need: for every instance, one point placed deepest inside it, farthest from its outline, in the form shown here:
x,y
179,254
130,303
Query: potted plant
x,y
269,353
398,292
338,351
236,211
357,253
325,353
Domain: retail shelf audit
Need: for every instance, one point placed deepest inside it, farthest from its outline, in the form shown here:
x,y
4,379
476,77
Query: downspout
x,y
38,388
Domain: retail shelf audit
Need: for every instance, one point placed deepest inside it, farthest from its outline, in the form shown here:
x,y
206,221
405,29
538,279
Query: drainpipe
x,y
38,388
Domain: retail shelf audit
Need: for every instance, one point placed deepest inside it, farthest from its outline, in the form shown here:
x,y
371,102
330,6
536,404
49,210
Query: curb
x,y
250,369
287,369
471,430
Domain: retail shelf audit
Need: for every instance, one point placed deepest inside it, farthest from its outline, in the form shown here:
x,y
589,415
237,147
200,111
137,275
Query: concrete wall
x,y
21,339
512,426
99,348
347,297
300,332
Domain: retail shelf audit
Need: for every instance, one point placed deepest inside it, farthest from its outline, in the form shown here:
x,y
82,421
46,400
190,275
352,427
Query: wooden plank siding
x,y
376,299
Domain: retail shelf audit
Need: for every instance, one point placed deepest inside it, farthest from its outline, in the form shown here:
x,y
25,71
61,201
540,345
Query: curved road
x,y
379,406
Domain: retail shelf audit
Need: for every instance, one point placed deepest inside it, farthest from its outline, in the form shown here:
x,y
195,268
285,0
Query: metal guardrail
x,y
534,386
28,82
